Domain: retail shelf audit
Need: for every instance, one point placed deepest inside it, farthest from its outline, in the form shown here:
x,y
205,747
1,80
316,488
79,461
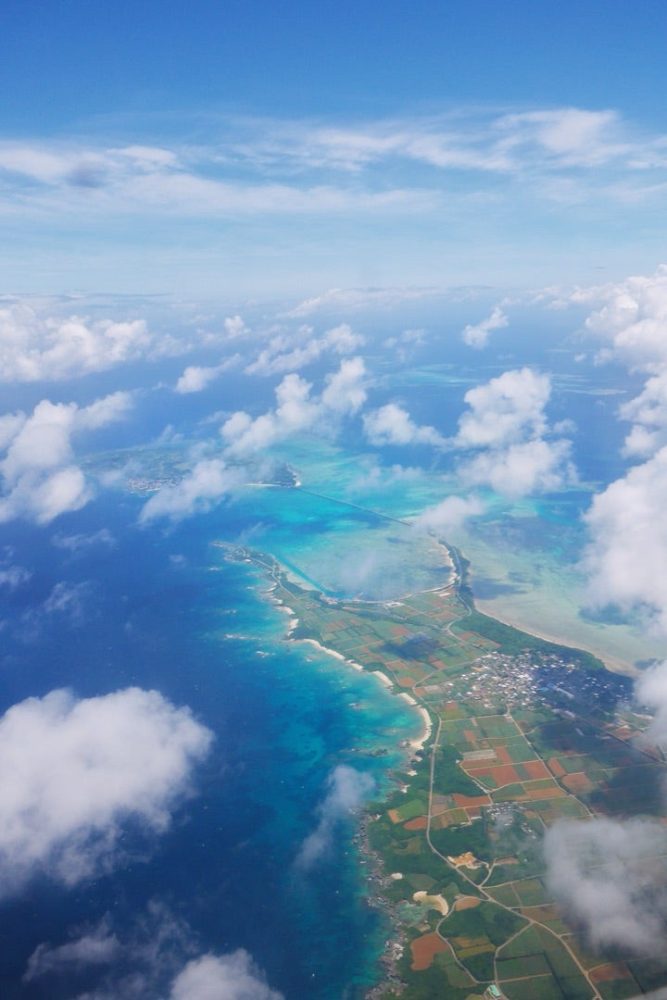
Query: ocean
x,y
163,609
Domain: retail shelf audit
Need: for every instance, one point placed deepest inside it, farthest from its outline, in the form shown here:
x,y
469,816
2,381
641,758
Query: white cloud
x,y
235,327
344,391
651,692
229,977
99,947
608,875
536,466
297,410
35,346
505,410
336,299
392,425
477,335
630,319
449,514
648,413
347,789
197,377
66,599
507,424
200,490
626,557
78,543
571,136
286,353
13,577
74,772
40,478
155,954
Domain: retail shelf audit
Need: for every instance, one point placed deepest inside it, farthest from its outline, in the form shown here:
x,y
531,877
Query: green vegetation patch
x,y
531,892
449,777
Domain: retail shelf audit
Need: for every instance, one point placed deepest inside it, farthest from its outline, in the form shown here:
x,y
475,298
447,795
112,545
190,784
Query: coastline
x,y
417,743
390,959
615,665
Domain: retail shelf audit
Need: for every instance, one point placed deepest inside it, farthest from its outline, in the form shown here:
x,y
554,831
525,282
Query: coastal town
x,y
516,734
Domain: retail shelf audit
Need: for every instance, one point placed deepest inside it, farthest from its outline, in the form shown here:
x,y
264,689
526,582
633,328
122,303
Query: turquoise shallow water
x,y
525,555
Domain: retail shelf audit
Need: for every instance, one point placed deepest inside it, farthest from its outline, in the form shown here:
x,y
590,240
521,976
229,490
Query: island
x,y
517,733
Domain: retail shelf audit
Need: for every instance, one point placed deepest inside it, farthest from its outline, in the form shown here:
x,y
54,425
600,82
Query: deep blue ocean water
x,y
154,612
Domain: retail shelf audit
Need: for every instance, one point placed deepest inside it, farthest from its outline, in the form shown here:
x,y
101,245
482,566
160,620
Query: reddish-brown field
x,y
470,801
424,949
612,970
502,774
556,767
467,903
546,793
536,769
578,782
419,823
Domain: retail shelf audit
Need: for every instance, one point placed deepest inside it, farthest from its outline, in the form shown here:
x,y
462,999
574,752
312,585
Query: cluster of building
x,y
525,679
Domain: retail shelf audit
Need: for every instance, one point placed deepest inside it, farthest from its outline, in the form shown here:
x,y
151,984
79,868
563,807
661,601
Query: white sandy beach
x,y
324,649
418,744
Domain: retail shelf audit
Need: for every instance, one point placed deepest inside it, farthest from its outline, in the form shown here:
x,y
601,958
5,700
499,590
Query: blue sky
x,y
266,149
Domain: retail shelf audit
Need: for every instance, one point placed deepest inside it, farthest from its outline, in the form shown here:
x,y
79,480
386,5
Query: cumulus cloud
x,y
235,327
630,319
197,377
505,410
536,466
347,788
297,410
477,335
510,444
506,423
449,514
345,391
35,346
76,772
609,876
200,490
289,353
626,556
40,478
393,425
228,977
